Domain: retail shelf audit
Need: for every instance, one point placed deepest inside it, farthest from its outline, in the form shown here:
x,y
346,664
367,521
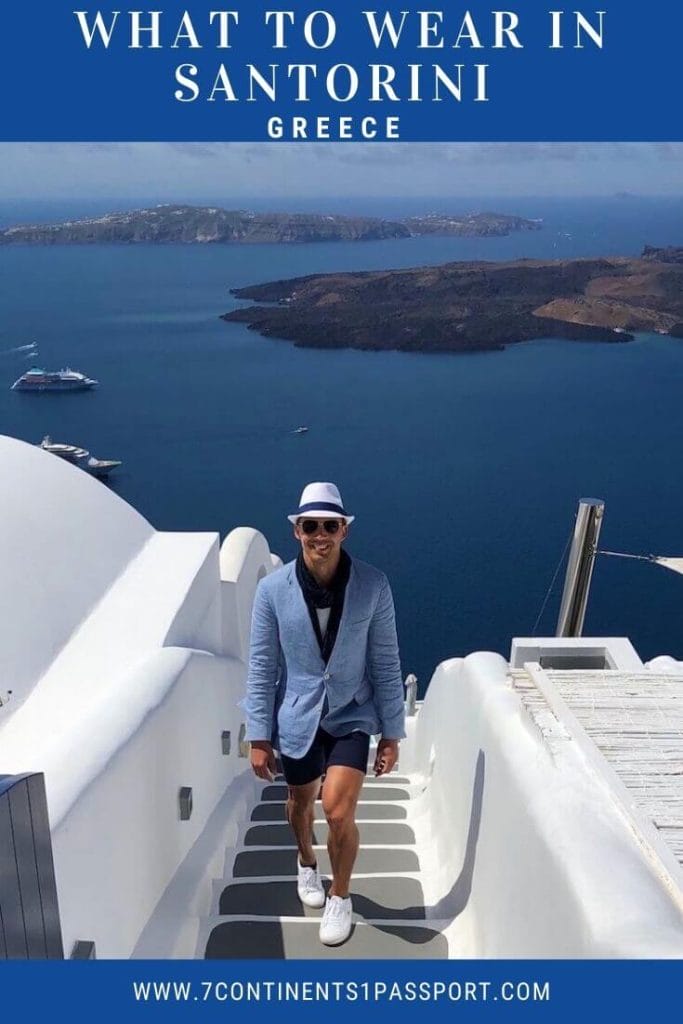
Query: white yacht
x,y
80,457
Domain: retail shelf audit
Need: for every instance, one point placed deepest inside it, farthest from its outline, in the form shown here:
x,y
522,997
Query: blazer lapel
x,y
302,612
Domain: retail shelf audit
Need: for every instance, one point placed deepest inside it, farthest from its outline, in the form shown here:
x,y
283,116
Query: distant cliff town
x,y
210,224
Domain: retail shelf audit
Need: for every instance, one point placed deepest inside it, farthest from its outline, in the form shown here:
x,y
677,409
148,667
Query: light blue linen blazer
x,y
288,681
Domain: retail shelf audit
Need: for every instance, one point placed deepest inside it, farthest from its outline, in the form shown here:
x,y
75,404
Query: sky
x,y
187,172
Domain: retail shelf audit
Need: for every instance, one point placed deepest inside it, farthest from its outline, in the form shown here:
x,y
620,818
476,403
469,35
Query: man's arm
x,y
384,667
262,676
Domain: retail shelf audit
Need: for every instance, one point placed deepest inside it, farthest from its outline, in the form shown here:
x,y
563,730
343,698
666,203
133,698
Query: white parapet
x,y
244,560
527,849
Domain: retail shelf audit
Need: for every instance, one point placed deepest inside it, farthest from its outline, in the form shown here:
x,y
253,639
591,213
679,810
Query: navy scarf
x,y
318,596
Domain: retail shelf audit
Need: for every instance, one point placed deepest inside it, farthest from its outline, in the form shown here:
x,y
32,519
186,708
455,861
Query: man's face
x,y
320,547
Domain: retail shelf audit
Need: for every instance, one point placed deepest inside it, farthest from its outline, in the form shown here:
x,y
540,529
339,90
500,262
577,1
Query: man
x,y
324,675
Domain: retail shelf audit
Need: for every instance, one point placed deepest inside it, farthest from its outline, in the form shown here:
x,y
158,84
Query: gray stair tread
x,y
373,898
272,811
268,940
374,792
256,863
385,833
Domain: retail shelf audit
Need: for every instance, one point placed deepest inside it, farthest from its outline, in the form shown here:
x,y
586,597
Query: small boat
x,y
36,379
300,430
80,457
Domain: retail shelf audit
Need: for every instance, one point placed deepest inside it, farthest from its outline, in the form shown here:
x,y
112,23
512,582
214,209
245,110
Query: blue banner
x,y
341,71
555,991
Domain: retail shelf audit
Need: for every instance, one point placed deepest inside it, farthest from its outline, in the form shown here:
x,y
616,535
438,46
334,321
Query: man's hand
x,y
387,756
263,760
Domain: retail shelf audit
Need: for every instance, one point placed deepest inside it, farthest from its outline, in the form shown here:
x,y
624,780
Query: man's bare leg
x,y
341,790
300,815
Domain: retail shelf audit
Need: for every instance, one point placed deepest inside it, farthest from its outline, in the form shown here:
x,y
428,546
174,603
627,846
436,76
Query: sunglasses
x,y
310,526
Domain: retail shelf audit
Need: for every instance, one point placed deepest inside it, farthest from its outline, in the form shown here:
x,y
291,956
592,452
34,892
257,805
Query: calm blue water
x,y
464,471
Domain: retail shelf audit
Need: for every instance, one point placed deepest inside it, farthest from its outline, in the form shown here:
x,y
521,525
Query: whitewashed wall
x,y
122,841
523,843
114,645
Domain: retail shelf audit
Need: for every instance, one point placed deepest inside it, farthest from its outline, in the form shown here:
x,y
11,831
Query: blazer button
x,y
326,676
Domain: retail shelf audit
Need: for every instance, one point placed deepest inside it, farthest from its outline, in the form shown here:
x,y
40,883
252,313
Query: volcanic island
x,y
475,306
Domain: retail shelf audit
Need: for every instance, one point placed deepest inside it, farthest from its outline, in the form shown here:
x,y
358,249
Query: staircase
x,y
259,915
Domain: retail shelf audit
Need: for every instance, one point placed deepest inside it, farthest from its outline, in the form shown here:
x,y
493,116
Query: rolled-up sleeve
x,y
263,673
384,666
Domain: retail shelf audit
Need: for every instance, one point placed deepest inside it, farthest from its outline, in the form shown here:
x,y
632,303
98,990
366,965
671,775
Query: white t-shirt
x,y
323,619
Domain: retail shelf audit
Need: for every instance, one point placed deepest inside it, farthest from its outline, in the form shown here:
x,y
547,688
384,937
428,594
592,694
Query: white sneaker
x,y
309,887
336,924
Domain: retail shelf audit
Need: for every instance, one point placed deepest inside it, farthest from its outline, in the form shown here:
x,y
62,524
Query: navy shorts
x,y
350,750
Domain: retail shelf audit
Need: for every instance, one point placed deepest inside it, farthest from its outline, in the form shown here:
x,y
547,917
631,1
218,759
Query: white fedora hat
x,y
320,501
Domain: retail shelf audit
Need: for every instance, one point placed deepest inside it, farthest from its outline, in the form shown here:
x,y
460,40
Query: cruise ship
x,y
536,810
36,379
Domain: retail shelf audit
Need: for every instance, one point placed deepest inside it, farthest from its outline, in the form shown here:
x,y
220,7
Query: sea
x,y
464,471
